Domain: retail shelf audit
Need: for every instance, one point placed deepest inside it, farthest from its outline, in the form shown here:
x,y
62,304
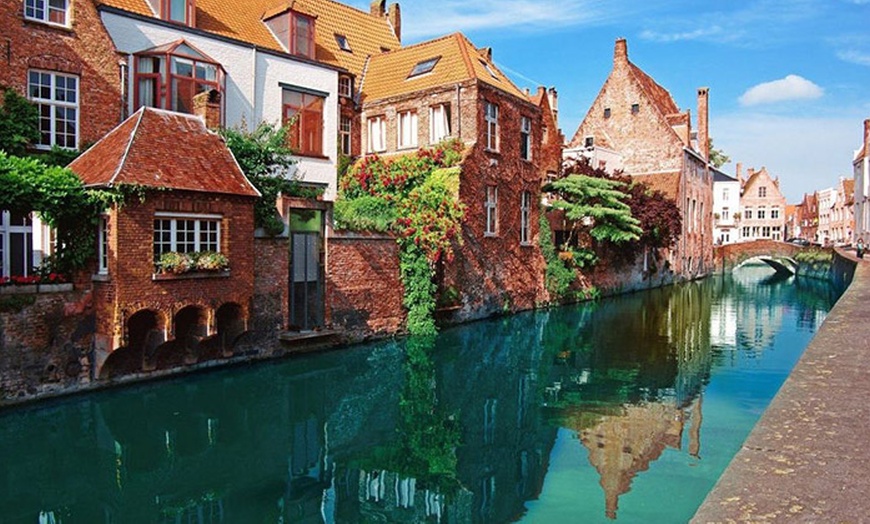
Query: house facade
x,y
843,213
448,89
59,56
807,217
637,120
726,208
260,59
826,199
195,199
861,170
762,207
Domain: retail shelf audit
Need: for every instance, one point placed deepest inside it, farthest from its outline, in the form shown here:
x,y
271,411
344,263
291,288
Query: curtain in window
x,y
377,134
439,123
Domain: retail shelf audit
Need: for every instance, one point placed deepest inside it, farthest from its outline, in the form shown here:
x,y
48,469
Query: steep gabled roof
x,y
162,149
458,60
243,20
658,95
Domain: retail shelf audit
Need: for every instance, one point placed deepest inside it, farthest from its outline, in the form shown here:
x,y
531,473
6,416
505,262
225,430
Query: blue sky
x,y
789,79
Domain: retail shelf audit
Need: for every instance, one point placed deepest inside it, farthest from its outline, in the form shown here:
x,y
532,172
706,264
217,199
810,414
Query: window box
x,y
192,275
35,288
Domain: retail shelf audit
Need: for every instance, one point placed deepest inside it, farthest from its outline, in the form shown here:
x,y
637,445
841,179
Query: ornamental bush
x,y
417,197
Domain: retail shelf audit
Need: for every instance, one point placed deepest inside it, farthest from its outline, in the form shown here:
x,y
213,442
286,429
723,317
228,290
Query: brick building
x,y
762,207
842,213
196,199
807,217
58,55
637,126
447,88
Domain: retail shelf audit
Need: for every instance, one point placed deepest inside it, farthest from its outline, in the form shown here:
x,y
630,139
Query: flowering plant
x,y
21,280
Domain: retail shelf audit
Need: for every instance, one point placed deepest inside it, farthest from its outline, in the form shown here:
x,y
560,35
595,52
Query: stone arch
x,y
190,325
231,321
144,331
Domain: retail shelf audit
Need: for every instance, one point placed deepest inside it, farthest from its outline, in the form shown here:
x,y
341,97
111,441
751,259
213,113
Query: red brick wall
x,y
494,273
271,269
130,286
83,49
45,346
363,286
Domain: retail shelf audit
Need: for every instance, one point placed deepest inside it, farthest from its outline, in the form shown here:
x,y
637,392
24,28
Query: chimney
x,y
486,53
703,123
554,104
739,171
620,52
378,8
750,172
526,91
394,16
207,106
867,137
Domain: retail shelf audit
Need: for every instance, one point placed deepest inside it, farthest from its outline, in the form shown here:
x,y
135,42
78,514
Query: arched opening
x,y
230,323
144,333
191,326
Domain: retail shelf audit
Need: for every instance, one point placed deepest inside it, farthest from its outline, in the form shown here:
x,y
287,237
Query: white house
x,y
726,208
861,166
262,64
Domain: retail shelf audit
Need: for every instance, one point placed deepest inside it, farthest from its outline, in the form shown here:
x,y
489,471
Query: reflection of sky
x,y
757,333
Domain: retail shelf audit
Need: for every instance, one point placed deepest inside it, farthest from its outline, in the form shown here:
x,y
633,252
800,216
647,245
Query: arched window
x,y
169,76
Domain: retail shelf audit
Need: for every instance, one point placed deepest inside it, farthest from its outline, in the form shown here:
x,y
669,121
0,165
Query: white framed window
x,y
16,244
491,206
726,213
344,130
762,191
103,246
747,213
439,123
491,126
345,86
186,233
48,11
525,217
774,212
726,194
377,128
526,138
56,96
407,129
762,214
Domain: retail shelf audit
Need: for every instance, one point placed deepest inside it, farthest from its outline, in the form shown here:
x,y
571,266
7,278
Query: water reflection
x,y
460,429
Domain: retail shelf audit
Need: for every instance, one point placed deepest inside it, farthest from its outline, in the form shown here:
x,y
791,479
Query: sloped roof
x,y
163,149
667,183
719,176
243,20
658,95
458,60
849,190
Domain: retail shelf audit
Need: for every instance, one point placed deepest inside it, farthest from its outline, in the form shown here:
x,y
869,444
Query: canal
x,y
628,409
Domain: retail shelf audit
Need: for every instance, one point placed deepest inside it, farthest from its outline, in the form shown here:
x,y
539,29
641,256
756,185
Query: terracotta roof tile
x,y
243,20
458,61
162,149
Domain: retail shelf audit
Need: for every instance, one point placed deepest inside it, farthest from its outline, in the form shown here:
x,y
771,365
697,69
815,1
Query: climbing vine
x,y
415,196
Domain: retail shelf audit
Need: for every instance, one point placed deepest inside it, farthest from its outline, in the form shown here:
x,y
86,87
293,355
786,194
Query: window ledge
x,y
35,288
100,277
49,25
490,235
526,244
192,275
311,155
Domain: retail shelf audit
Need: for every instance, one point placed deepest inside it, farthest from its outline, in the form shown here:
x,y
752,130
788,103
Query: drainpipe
x,y
458,113
254,90
122,71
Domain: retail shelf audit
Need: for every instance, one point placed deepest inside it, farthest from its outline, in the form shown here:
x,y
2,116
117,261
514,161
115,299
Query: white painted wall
x,y
252,91
726,195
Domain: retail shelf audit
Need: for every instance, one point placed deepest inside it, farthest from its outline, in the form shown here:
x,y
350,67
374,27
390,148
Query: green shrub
x,y
364,213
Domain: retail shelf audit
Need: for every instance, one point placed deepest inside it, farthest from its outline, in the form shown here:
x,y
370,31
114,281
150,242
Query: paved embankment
x,y
808,458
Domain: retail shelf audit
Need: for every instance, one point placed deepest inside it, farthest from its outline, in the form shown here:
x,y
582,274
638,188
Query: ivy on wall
x,y
417,197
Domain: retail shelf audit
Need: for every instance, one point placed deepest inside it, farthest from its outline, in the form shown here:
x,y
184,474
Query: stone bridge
x,y
778,255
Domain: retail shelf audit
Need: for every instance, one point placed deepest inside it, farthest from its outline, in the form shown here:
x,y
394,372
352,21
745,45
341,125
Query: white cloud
x,y
855,57
806,153
697,34
792,87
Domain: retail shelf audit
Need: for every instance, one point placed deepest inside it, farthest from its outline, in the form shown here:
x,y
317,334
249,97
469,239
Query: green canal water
x,y
626,409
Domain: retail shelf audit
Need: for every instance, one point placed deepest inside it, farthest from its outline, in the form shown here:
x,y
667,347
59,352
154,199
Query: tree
x,y
717,157
264,156
19,123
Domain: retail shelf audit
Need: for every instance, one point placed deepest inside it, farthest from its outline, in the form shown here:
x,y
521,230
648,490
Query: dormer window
x,y
302,35
48,11
342,42
488,68
179,11
295,31
424,67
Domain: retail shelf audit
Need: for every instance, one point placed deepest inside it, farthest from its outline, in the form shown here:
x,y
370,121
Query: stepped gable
x,y
458,61
165,150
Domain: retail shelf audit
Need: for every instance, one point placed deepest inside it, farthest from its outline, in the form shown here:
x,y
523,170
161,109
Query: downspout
x,y
458,113
125,103
253,90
